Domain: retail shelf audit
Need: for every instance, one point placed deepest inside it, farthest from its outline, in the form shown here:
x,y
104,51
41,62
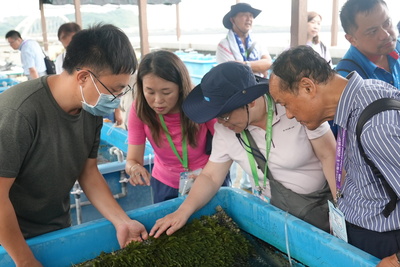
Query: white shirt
x,y
228,50
292,160
59,62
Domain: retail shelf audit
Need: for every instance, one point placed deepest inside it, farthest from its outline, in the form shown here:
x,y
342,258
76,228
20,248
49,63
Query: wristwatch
x,y
398,257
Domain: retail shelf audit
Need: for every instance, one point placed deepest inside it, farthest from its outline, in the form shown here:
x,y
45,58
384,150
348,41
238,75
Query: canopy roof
x,y
115,2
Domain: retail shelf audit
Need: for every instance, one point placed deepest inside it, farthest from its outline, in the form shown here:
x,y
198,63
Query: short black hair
x,y
103,47
68,27
299,62
13,34
351,8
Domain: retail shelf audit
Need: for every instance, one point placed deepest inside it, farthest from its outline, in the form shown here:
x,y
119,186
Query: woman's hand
x,y
139,175
169,224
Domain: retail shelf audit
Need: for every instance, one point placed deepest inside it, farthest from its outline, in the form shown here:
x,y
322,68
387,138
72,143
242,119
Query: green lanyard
x,y
268,139
184,158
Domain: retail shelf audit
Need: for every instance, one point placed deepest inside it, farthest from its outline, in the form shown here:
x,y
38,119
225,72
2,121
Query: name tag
x,y
186,181
337,222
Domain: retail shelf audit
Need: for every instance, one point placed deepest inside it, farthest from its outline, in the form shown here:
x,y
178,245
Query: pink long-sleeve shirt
x,y
167,167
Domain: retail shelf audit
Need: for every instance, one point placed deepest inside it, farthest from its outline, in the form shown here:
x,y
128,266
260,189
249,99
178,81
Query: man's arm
x,y
262,65
325,149
391,261
11,237
204,188
33,73
99,194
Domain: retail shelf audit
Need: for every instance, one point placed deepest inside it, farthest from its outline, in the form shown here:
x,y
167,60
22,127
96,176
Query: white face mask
x,y
104,105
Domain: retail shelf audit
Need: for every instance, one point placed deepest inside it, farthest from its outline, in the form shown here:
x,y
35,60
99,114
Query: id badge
x,y
337,222
186,181
259,193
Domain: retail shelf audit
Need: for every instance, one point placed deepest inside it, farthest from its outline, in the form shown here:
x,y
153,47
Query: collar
x,y
344,106
22,44
394,55
368,65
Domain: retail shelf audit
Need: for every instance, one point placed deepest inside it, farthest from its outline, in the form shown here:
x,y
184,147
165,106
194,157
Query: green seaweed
x,y
212,240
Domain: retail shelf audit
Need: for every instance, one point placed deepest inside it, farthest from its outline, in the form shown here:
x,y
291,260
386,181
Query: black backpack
x,y
50,65
372,109
349,65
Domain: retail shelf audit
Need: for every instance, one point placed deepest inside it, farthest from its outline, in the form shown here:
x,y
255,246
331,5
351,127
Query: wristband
x,y
248,64
398,257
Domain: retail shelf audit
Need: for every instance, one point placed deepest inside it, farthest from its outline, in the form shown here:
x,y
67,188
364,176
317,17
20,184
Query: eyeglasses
x,y
225,118
124,91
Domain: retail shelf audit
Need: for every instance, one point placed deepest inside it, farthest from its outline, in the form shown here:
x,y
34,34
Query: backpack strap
x,y
349,65
372,109
251,48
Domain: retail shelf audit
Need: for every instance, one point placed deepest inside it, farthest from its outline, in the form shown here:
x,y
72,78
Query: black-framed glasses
x,y
124,91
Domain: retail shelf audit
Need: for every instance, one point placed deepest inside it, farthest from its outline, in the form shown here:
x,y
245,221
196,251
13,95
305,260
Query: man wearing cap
x,y
298,159
238,45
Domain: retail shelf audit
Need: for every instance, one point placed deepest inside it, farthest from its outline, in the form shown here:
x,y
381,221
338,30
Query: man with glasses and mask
x,y
238,45
299,161
50,134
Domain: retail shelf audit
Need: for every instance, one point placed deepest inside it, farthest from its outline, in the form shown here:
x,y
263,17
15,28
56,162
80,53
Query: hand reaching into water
x,y
169,224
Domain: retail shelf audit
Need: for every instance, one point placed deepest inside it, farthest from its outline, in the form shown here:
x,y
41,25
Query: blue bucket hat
x,y
239,7
226,87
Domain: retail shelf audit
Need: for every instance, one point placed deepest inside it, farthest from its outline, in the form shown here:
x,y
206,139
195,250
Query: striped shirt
x,y
364,197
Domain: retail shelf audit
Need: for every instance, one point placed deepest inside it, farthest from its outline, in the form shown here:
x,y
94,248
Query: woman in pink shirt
x,y
179,144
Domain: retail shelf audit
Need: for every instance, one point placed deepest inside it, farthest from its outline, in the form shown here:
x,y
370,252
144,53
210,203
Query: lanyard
x,y
340,147
184,158
244,52
268,139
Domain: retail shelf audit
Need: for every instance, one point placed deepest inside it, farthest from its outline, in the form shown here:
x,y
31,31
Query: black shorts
x,y
378,244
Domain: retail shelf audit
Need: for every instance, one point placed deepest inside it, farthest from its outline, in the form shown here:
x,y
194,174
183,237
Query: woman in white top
x,y
313,27
300,165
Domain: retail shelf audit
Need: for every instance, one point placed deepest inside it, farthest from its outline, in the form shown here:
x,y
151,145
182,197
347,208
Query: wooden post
x,y
335,22
178,24
44,27
144,32
78,15
298,28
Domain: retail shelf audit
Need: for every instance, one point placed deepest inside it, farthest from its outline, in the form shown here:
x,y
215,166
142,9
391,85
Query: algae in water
x,y
213,240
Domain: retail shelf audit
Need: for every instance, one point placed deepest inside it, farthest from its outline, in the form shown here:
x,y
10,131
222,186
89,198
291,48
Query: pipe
x,y
77,191
123,180
116,151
